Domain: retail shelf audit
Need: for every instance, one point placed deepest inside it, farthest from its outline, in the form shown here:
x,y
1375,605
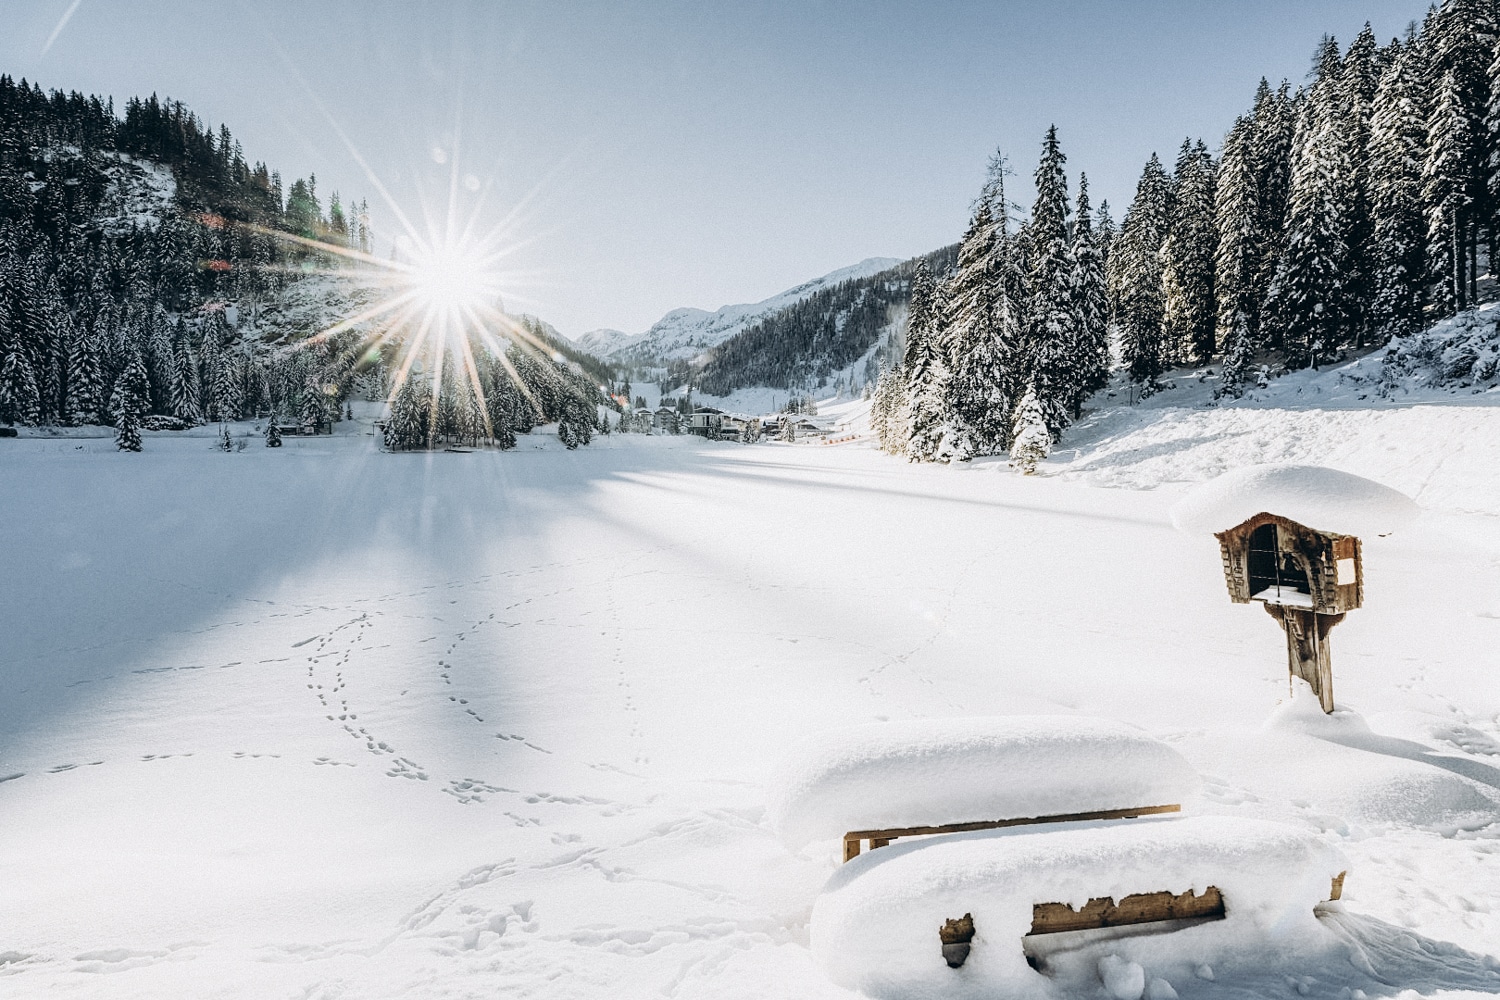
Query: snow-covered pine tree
x,y
1448,195
1134,273
1052,339
1188,318
186,385
407,428
1237,257
1091,302
1398,138
1272,124
1358,80
20,402
273,431
85,380
1462,36
926,369
1105,232
1030,438
129,403
1309,296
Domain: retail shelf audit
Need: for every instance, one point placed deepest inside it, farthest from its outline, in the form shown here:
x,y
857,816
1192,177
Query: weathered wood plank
x,y
880,838
1142,908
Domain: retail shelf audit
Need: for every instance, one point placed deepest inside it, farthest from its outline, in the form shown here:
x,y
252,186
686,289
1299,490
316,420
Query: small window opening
x,y
1271,568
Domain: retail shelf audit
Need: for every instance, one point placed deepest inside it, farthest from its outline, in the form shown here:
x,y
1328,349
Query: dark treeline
x,y
803,344
1357,208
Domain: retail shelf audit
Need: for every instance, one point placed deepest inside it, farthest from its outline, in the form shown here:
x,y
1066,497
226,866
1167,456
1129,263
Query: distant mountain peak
x,y
687,332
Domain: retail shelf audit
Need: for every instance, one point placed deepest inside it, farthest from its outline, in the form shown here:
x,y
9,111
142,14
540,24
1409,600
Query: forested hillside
x,y
805,343
1356,208
145,282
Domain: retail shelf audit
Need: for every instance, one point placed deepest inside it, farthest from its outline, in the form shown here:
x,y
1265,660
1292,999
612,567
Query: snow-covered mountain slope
x,y
601,342
685,333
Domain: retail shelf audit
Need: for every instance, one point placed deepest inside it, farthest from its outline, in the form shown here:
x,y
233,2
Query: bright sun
x,y
451,278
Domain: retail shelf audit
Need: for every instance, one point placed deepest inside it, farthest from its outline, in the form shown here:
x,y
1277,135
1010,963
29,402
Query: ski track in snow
x,y
500,728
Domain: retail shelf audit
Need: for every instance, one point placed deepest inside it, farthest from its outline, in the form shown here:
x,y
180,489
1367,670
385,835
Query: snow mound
x,y
875,927
1319,497
937,771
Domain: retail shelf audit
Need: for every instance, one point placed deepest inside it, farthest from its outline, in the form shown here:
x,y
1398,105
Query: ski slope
x,y
324,722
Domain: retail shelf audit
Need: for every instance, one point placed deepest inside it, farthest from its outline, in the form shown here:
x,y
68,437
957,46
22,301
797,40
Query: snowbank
x,y
1318,497
938,771
875,927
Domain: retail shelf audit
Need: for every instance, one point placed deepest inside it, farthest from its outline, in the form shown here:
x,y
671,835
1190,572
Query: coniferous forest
x,y
1359,207
143,273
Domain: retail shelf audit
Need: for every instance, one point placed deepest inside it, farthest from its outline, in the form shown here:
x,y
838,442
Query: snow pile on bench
x,y
935,772
1318,497
875,927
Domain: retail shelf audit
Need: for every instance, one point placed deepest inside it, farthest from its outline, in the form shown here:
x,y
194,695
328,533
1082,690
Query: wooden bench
x,y
880,838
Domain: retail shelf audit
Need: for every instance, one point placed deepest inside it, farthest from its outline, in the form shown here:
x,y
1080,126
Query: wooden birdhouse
x,y
1306,579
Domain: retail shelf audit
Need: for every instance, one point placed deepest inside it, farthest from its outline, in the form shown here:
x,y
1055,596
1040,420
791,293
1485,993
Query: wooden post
x,y
1307,652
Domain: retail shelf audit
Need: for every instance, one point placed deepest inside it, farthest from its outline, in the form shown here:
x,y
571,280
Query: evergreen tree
x,y
1398,138
1448,196
85,381
1091,302
1188,318
1309,296
1272,124
1031,440
407,428
20,402
1238,257
1135,277
1358,81
926,369
129,403
1053,338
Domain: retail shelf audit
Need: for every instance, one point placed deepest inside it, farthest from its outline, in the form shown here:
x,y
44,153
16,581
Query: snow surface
x,y
548,687
686,333
1318,497
931,772
875,926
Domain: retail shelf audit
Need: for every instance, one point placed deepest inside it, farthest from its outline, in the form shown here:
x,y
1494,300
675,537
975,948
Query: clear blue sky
x,y
691,153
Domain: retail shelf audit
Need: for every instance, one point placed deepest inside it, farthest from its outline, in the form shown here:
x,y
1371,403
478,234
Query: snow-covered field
x,y
323,722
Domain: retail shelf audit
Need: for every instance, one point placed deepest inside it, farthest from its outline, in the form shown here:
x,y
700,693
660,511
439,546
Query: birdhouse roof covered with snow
x,y
1319,498
1274,559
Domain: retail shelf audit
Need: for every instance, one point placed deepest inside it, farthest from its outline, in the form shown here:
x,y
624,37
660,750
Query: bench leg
x,y
851,848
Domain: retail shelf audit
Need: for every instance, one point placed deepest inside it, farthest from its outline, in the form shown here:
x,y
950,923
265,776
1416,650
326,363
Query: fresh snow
x,y
931,772
325,722
1319,497
874,926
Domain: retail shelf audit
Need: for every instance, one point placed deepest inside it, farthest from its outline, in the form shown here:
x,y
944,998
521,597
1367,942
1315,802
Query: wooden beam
x,y
880,838
1142,908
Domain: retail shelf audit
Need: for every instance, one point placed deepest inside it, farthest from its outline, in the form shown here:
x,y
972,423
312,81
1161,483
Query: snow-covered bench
x,y
885,781
902,922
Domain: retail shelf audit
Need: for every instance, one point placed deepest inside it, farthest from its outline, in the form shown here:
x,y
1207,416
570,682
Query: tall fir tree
x,y
1447,193
1308,299
1398,138
926,368
1237,258
1091,307
1359,78
129,402
1188,319
1052,340
1135,273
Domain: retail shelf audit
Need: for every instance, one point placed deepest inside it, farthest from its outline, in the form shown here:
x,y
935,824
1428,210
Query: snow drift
x,y
875,927
940,771
1319,497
